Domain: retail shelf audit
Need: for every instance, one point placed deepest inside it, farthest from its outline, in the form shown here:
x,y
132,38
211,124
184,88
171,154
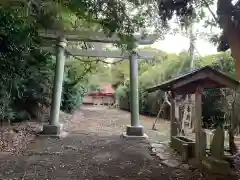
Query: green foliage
x,y
164,67
72,97
121,92
213,103
143,103
76,83
26,73
111,17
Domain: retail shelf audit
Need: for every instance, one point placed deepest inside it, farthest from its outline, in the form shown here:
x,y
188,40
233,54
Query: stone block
x,y
158,145
158,150
217,145
52,130
185,166
135,131
171,163
164,155
184,146
216,166
125,136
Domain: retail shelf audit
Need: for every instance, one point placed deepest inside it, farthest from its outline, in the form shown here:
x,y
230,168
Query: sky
x,y
178,43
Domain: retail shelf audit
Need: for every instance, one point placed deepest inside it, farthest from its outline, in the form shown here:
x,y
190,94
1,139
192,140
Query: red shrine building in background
x,y
106,96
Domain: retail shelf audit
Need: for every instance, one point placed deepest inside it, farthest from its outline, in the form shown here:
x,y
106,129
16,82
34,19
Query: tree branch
x,y
97,60
210,10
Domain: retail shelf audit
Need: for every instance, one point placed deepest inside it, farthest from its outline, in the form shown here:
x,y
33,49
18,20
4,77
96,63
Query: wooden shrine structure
x,y
193,82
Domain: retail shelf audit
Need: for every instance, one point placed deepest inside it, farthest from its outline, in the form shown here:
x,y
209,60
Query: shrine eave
x,y
206,78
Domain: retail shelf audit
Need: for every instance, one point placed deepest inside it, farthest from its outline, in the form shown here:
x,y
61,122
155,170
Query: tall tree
x,y
121,17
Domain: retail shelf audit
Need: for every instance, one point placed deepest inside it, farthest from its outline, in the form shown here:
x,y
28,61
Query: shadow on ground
x,y
93,150
87,157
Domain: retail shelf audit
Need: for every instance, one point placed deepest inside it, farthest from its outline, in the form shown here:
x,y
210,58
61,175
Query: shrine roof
x,y
205,77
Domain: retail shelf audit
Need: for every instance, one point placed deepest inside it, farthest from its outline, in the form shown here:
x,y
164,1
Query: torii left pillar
x,y
135,129
53,128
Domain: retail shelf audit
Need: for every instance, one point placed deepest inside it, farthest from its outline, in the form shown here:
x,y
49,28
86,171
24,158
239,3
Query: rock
x,y
184,166
216,166
178,172
71,147
164,156
157,150
158,145
171,163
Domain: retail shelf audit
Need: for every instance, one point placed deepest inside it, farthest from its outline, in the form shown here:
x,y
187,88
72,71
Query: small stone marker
x,y
217,145
215,163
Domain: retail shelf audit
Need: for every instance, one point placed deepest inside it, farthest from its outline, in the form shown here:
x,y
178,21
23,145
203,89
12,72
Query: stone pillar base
x,y
50,130
135,132
216,166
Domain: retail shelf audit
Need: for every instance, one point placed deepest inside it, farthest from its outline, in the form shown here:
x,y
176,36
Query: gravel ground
x,y
93,150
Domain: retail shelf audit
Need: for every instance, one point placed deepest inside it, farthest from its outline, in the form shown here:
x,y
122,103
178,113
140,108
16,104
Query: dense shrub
x,y
72,96
26,79
26,72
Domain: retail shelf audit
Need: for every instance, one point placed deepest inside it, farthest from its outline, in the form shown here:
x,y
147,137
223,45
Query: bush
x,y
121,92
122,96
26,72
72,97
73,91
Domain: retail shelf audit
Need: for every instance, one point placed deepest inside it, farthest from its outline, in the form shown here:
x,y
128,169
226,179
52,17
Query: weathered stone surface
x,y
135,131
164,156
49,129
171,163
217,145
158,145
71,147
157,150
216,166
185,166
184,146
178,172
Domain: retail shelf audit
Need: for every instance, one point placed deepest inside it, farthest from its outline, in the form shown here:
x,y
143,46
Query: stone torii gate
x,y
53,128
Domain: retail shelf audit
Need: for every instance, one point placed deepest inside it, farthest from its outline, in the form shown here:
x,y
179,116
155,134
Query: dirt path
x,y
93,150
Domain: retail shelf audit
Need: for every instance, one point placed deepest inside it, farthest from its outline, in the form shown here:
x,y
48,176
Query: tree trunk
x,y
231,33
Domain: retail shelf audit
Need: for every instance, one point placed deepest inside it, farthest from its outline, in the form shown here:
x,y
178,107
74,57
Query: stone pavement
x,y
167,156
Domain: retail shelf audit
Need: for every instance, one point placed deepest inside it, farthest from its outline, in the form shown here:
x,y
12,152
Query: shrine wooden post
x,y
172,115
198,124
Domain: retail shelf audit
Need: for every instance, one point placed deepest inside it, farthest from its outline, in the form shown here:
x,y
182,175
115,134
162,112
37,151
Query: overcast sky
x,y
178,43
